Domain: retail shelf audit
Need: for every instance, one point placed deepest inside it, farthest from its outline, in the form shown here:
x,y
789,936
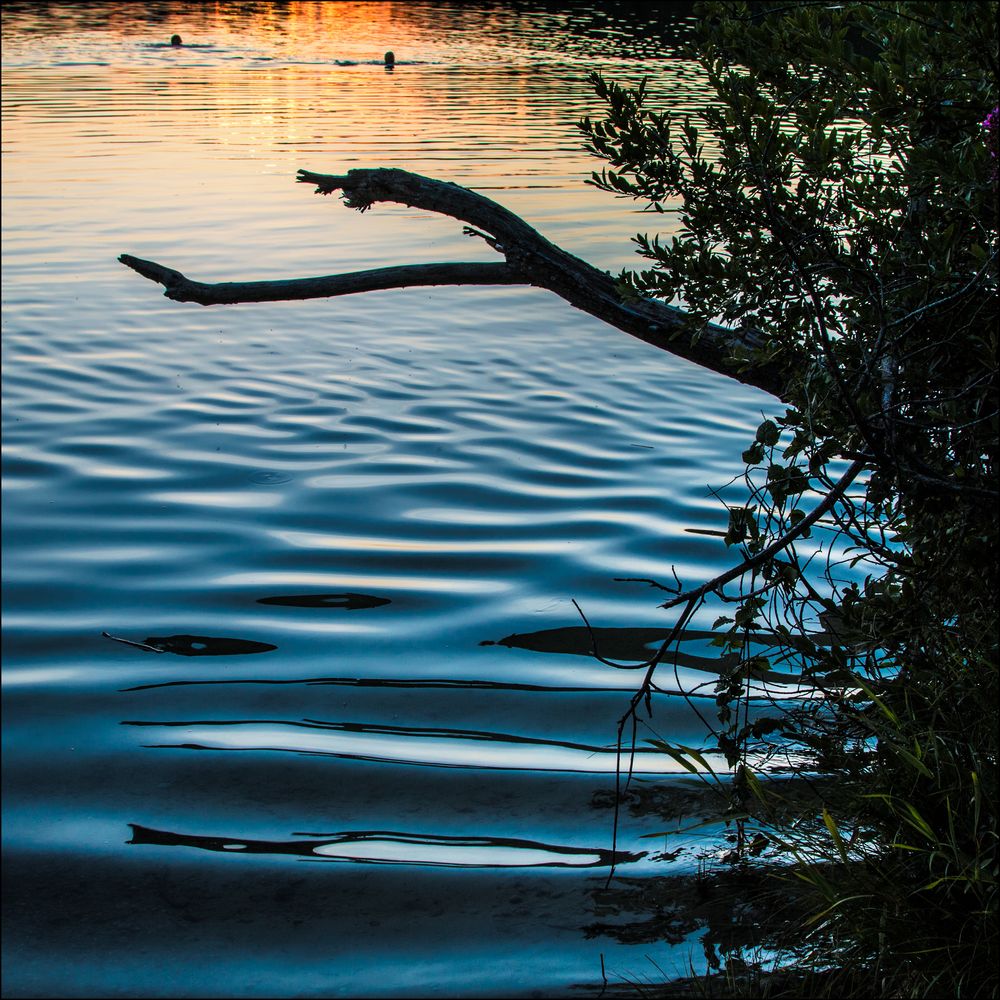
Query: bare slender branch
x,y
530,259
183,289
778,544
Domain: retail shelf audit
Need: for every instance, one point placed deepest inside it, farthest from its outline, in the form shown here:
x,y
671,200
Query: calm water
x,y
374,757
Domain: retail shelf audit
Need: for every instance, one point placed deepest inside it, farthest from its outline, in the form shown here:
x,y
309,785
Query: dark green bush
x,y
840,199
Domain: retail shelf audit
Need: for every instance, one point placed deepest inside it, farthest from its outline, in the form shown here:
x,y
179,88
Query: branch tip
x,y
165,276
325,183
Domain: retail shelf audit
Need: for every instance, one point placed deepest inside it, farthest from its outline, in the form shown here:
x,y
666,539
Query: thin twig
x,y
776,546
129,642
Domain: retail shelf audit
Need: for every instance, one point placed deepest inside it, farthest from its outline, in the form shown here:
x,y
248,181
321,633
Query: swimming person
x,y
389,59
175,41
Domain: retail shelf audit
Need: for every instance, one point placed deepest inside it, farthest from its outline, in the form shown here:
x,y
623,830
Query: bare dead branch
x,y
530,259
183,289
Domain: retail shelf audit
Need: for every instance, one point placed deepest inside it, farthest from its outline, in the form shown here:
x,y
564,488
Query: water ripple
x,y
409,745
332,545
391,848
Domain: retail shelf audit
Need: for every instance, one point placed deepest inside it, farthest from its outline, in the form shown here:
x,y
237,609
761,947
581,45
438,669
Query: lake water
x,y
374,756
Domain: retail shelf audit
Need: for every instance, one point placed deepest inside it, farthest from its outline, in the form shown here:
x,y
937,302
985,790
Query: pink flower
x,y
991,124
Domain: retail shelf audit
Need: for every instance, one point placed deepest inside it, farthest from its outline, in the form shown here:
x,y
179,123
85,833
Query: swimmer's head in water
x,y
175,40
389,58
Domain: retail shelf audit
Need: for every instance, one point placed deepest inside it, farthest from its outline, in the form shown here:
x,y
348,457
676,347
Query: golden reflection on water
x,y
168,140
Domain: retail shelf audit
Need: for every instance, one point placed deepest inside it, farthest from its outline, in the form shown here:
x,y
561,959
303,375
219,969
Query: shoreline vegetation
x,y
841,198
838,247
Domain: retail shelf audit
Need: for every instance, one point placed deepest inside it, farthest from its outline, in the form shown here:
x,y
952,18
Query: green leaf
x,y
838,841
674,754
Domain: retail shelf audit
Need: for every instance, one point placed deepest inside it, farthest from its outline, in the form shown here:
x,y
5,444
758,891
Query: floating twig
x,y
129,642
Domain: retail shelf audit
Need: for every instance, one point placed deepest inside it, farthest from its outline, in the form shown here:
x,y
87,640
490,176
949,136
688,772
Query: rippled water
x,y
355,743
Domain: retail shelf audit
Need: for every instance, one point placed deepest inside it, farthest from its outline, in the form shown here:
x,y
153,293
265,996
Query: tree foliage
x,y
835,242
839,197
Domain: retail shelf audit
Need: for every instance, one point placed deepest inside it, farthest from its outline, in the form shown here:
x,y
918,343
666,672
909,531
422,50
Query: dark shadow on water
x,y
613,643
349,602
432,683
364,728
681,799
637,644
206,645
384,847
194,645
735,913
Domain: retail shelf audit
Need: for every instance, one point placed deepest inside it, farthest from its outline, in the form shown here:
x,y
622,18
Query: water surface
x,y
360,747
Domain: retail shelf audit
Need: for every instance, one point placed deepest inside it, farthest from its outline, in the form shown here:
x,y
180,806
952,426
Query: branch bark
x,y
183,289
530,259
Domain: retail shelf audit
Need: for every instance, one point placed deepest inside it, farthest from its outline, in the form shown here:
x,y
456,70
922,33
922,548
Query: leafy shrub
x,y
838,202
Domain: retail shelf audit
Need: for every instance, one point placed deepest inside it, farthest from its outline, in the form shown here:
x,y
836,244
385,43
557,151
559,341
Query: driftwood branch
x,y
183,289
530,259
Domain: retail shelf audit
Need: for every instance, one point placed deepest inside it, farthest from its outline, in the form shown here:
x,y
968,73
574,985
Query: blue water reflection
x,y
338,542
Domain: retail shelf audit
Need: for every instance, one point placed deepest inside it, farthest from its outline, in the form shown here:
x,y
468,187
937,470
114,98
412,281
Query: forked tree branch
x,y
530,259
